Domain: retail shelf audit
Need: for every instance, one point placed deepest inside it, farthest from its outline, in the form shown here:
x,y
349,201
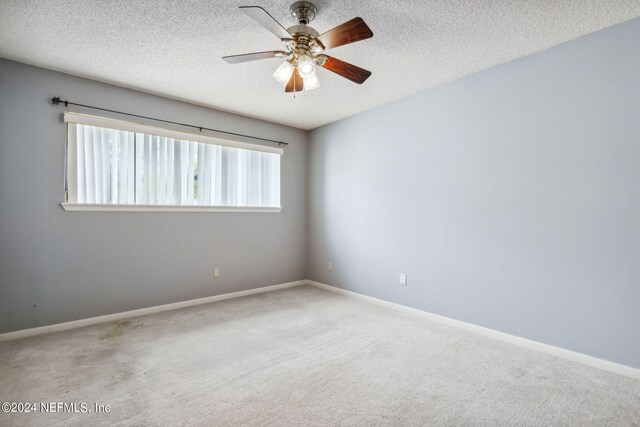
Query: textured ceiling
x,y
173,48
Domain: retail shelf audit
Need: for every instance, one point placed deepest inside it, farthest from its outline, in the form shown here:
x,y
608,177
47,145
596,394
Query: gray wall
x,y
57,266
510,198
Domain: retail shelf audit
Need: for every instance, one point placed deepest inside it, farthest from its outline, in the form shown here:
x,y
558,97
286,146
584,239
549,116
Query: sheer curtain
x,y
109,166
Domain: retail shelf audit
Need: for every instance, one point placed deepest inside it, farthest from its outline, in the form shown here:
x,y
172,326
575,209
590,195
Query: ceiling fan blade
x,y
295,84
263,17
349,32
346,70
246,57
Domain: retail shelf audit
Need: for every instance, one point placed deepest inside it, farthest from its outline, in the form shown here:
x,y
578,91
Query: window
x,y
113,164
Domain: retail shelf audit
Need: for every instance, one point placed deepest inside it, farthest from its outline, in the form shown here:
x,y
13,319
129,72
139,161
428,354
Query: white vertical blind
x,y
112,166
103,165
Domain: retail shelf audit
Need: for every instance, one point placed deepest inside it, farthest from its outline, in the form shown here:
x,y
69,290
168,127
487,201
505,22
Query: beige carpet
x,y
302,357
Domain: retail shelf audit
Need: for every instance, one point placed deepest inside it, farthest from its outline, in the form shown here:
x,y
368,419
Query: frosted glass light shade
x,y
306,67
311,83
283,73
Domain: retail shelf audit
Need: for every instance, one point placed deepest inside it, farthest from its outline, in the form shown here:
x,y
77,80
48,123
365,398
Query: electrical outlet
x,y
403,279
216,273
330,266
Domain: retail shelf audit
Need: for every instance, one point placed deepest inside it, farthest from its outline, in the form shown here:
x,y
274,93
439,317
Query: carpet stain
x,y
78,359
118,329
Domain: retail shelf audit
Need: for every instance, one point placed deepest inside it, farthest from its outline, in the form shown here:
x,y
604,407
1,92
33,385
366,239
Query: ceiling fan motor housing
x,y
304,41
302,33
303,12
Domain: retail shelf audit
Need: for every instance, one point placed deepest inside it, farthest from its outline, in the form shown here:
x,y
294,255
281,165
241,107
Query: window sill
x,y
85,207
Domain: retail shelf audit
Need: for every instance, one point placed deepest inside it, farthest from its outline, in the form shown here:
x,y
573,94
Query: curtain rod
x,y
56,101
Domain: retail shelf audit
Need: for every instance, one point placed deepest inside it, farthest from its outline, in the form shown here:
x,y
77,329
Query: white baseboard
x,y
140,312
584,359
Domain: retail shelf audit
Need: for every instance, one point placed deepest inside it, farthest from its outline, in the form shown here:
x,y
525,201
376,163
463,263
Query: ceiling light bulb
x,y
306,68
283,73
311,83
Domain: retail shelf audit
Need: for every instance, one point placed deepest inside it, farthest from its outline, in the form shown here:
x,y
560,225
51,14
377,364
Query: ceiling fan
x,y
305,46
